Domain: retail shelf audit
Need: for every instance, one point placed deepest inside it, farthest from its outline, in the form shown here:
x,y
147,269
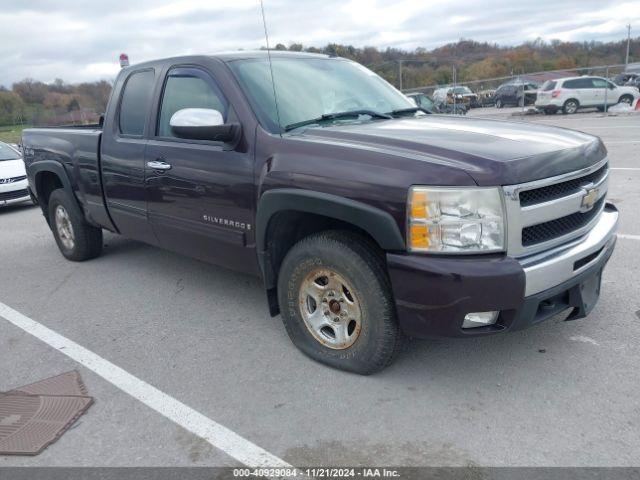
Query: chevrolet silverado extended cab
x,y
367,219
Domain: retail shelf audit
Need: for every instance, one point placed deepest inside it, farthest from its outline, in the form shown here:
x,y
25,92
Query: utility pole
x,y
400,74
626,62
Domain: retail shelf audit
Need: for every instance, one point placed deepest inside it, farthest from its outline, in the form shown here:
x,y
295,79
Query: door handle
x,y
158,165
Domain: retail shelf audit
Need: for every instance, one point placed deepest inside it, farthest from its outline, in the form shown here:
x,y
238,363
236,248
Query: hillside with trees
x,y
32,102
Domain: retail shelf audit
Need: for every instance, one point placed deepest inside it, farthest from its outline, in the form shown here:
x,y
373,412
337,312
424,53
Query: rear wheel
x,y
336,302
76,239
570,106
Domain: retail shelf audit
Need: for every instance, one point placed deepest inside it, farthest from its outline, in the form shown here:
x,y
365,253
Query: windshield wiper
x,y
402,111
337,115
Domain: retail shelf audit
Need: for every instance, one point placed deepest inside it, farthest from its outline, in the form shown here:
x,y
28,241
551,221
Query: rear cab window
x,y
135,102
549,85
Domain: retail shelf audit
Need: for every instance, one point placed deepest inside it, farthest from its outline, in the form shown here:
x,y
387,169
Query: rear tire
x,y
570,106
336,302
77,240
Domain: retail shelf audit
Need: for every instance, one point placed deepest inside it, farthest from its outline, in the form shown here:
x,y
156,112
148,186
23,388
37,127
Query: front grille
x,y
13,195
559,190
543,232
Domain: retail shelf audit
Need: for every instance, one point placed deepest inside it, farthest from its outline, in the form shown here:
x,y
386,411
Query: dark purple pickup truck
x,y
367,219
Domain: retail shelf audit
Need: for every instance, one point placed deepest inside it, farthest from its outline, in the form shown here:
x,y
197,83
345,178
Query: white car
x,y
13,177
572,93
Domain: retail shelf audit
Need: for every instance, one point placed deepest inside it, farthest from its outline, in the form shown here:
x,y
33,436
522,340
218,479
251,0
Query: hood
x,y
12,168
493,152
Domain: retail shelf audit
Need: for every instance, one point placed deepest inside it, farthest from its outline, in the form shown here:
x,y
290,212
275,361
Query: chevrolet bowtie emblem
x,y
589,199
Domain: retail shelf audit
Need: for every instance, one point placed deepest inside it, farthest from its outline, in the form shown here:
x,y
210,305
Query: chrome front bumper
x,y
553,267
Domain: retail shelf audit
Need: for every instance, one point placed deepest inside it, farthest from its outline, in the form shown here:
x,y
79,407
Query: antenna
x,y
273,80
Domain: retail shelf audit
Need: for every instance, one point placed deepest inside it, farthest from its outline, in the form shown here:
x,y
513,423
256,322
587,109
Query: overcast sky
x,y
81,40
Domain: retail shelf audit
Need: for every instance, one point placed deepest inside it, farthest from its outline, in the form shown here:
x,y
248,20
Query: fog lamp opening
x,y
479,319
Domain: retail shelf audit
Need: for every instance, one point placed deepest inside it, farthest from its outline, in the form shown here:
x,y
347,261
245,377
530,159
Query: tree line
x,y
33,102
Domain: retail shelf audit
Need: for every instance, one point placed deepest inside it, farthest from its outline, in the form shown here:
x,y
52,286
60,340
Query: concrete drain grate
x,y
36,415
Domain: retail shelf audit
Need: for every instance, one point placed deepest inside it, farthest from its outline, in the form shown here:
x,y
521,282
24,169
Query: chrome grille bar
x,y
520,217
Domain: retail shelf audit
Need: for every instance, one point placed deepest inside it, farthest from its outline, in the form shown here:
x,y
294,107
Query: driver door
x,y
199,192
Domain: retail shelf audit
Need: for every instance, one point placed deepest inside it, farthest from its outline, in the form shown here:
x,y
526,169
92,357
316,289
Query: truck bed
x,y
77,150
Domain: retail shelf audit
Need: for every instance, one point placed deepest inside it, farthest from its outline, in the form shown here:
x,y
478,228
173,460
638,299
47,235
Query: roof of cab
x,y
232,56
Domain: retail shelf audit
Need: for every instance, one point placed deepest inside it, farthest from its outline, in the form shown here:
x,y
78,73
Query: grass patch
x,y
12,133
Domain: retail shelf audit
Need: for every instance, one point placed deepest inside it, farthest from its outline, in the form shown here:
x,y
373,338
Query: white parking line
x,y
628,237
624,168
621,142
217,435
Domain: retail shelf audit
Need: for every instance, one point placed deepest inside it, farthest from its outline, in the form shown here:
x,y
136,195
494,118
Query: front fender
x,y
377,223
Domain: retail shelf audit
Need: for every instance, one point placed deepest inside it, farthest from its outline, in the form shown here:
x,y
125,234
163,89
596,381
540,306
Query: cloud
x,y
77,40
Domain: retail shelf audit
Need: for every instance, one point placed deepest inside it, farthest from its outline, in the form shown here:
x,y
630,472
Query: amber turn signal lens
x,y
418,204
419,236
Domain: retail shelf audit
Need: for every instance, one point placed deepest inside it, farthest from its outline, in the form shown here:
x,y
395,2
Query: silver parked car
x,y
13,176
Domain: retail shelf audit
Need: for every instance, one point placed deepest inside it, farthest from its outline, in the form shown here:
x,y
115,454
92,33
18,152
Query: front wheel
x,y
76,239
336,302
499,103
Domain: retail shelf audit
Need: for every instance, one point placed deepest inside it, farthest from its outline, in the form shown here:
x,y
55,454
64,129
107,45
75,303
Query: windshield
x,y
308,88
7,153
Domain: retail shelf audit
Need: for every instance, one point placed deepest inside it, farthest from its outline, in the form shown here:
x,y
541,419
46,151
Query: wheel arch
x,y
48,176
287,215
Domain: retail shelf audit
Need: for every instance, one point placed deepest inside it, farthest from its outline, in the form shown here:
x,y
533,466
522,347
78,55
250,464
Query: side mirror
x,y
203,124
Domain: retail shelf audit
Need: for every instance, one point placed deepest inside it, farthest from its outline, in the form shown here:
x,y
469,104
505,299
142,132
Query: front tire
x,y
77,240
336,302
499,103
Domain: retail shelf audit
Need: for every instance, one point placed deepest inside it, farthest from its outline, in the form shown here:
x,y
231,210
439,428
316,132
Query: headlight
x,y
455,220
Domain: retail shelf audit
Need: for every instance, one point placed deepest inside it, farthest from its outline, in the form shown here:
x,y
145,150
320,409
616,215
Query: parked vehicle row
x,y
567,95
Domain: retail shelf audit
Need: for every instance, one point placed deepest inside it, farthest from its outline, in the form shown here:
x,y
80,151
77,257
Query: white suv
x,y
13,177
570,94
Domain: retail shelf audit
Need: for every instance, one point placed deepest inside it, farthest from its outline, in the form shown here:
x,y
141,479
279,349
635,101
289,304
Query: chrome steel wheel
x,y
64,228
330,309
